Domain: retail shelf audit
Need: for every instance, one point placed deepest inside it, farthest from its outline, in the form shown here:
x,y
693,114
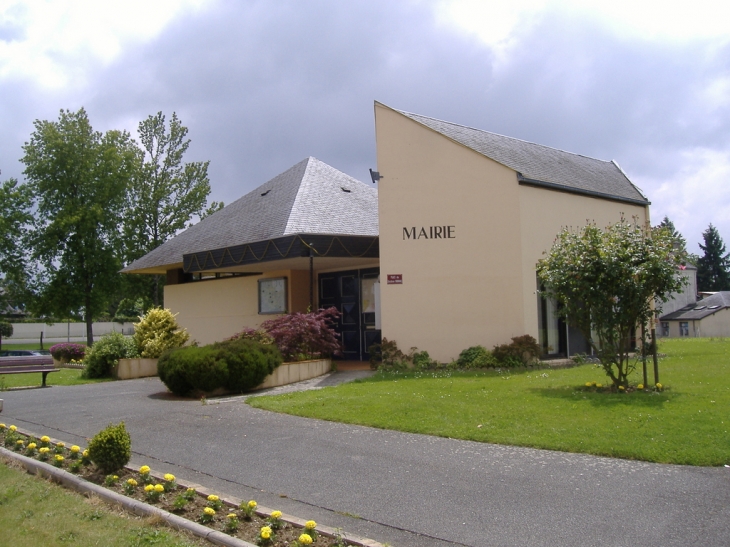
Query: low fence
x,y
27,333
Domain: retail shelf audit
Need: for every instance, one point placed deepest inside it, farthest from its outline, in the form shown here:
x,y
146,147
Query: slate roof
x,y
701,308
311,197
541,164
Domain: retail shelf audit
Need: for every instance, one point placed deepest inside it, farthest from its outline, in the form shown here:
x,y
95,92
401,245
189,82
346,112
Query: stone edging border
x,y
73,482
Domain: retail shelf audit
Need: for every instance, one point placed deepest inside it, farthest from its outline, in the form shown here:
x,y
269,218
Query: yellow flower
x,y
276,514
20,442
265,532
13,428
588,384
310,525
658,386
144,469
75,449
44,450
599,385
131,482
31,446
85,453
213,497
209,511
190,490
621,388
159,488
640,386
252,504
60,444
2,426
231,515
169,477
59,458
149,488
305,539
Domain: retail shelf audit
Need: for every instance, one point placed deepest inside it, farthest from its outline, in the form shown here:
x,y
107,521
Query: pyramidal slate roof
x,y
541,165
309,198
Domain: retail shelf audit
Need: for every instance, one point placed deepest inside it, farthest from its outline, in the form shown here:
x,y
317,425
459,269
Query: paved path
x,y
408,490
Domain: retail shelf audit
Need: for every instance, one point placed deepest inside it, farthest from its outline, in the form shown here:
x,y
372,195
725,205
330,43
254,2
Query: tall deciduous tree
x,y
167,193
713,267
607,282
80,178
16,201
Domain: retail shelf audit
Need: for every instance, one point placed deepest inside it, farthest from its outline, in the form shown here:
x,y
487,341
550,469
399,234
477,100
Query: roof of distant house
x,y
700,309
311,197
540,165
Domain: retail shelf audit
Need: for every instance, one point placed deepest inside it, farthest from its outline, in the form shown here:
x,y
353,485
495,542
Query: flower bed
x,y
245,520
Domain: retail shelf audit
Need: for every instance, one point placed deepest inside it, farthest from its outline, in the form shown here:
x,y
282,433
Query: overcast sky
x,y
263,84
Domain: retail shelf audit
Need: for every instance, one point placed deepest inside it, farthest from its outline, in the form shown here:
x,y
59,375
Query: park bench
x,y
28,363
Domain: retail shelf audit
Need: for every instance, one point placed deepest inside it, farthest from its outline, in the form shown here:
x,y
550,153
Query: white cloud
x,y
56,42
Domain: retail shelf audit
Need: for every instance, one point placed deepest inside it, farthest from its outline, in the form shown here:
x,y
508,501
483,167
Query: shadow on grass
x,y
606,399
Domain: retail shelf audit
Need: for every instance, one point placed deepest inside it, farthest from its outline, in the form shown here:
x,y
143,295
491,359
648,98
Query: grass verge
x,y
64,377
34,511
687,423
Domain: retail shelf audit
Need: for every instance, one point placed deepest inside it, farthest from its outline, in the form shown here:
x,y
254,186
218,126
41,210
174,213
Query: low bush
x,y
301,336
158,331
235,365
105,354
386,354
476,357
68,351
111,448
524,350
257,335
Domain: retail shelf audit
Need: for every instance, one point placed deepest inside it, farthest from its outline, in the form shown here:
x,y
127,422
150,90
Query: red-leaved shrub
x,y
301,336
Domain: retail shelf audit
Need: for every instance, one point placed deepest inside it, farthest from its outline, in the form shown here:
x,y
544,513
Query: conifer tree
x,y
713,267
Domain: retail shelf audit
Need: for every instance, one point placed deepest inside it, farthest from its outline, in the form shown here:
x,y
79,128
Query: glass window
x,y
665,328
684,328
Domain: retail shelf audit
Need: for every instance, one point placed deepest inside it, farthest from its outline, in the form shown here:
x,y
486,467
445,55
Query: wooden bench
x,y
28,363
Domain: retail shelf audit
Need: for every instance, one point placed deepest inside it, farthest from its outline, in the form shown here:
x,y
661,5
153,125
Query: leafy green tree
x,y
166,194
607,282
6,330
16,201
713,267
80,178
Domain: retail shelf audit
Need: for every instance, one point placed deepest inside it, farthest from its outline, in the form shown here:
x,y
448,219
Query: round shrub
x,y
249,362
476,357
105,354
235,365
68,352
523,350
158,331
111,448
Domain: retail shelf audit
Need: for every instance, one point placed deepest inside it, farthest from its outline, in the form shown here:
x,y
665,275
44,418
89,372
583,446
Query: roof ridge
x,y
409,114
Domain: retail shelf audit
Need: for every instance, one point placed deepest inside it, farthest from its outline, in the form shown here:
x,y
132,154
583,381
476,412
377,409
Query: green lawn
x,y
687,423
64,377
34,511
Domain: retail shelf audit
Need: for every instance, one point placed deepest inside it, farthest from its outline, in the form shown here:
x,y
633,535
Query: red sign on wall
x,y
395,279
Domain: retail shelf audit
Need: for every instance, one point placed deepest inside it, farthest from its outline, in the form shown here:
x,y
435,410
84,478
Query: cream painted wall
x,y
455,292
216,309
716,325
543,213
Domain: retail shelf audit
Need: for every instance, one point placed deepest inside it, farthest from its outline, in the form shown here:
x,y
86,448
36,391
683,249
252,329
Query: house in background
x,y
709,317
441,257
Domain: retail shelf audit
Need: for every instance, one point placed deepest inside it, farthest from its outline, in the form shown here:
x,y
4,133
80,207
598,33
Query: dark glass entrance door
x,y
344,291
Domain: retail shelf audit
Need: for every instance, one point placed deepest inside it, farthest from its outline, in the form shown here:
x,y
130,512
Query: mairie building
x,y
441,256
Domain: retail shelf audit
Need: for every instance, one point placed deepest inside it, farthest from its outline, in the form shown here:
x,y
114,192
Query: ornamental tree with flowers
x,y
610,283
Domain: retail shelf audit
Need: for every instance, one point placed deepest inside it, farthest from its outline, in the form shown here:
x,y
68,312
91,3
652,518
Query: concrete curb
x,y
73,482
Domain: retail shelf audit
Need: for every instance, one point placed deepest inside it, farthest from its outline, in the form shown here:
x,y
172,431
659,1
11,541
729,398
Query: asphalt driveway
x,y
404,489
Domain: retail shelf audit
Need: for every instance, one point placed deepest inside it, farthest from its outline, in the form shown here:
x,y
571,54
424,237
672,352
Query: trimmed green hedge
x,y
235,365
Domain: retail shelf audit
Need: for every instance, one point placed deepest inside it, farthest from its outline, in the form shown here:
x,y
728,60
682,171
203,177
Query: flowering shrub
x,y
169,483
105,354
68,351
214,502
207,516
305,335
158,331
266,536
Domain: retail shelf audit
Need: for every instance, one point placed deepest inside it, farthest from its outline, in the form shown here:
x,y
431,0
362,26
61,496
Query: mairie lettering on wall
x,y
430,232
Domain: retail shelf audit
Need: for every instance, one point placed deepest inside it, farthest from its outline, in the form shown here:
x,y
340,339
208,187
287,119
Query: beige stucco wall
x,y
216,309
543,214
716,325
455,292
480,287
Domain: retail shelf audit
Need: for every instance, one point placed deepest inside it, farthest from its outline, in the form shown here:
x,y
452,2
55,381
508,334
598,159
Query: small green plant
x,y
111,480
476,357
248,509
169,483
130,486
58,460
75,467
189,494
522,351
111,448
274,520
266,536
74,452
208,515
232,523
30,449
59,448
158,331
180,502
303,540
43,453
310,528
144,474
214,502
153,492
